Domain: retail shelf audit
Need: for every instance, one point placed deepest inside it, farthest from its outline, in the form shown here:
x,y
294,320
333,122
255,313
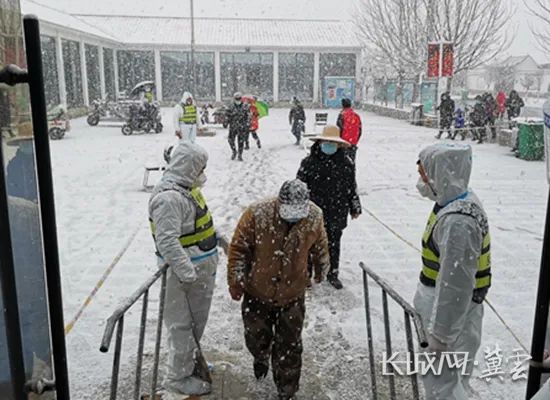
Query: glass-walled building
x,y
272,59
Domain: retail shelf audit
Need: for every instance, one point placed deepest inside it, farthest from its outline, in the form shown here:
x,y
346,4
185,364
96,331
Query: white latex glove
x,y
186,273
435,346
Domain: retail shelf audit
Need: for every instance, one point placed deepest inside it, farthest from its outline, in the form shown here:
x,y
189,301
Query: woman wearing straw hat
x,y
330,176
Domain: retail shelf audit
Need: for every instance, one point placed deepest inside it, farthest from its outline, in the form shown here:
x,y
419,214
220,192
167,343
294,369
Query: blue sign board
x,y
336,88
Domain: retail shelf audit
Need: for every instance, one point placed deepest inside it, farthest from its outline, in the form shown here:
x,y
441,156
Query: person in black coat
x,y
491,112
514,104
446,114
330,176
239,124
478,118
297,119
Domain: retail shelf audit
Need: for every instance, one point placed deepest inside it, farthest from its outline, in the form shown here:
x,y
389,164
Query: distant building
x,y
521,73
90,56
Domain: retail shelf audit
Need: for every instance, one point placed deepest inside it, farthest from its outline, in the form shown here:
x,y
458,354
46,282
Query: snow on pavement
x,y
100,203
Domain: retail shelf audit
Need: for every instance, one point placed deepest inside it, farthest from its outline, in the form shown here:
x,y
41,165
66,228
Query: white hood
x,y
448,167
186,163
187,95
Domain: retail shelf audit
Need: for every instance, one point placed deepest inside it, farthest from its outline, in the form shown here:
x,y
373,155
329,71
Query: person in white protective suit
x,y
185,118
185,239
456,272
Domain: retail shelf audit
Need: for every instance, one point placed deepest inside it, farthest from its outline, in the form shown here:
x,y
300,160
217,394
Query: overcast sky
x,y
523,44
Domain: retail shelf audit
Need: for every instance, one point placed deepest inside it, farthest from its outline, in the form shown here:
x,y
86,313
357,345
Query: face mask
x,y
201,180
292,220
238,102
426,190
329,148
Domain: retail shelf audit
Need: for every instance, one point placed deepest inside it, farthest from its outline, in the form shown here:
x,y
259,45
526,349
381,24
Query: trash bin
x,y
417,113
531,140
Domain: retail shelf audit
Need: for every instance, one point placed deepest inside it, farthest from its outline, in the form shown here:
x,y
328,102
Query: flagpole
x,y
193,70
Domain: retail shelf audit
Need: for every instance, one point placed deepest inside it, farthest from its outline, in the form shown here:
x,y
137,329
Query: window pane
x,y
92,70
296,76
49,64
247,73
19,170
177,75
73,73
334,64
108,65
135,67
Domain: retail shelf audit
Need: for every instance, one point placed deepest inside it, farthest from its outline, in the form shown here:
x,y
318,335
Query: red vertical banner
x,y
448,60
433,60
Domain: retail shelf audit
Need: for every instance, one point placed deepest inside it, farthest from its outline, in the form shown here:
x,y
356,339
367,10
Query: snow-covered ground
x,y
98,174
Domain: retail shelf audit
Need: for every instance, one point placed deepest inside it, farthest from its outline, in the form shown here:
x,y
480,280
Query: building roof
x,y
59,18
514,61
158,31
226,32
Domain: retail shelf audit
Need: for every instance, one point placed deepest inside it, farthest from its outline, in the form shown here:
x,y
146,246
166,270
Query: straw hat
x,y
331,133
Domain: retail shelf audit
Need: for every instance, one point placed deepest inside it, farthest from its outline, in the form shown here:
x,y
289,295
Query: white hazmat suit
x,y
188,130
191,276
452,319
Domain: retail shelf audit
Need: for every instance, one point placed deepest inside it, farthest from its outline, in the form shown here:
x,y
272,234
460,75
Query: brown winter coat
x,y
270,257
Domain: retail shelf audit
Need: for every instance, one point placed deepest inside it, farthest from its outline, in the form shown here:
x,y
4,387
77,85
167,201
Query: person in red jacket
x,y
350,126
254,123
501,101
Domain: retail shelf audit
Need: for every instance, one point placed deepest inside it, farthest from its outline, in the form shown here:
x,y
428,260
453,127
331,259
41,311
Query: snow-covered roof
x,y
161,31
227,32
58,18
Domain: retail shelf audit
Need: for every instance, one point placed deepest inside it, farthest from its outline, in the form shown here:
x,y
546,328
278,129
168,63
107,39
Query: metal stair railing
x,y
116,320
409,313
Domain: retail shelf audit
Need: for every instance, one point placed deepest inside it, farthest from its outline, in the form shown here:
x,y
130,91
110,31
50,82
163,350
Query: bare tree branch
x,y
401,30
541,10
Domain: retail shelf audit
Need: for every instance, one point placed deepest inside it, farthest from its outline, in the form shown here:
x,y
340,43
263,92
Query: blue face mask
x,y
329,148
292,220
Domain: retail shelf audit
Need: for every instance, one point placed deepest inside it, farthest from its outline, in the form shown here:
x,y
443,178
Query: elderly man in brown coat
x,y
268,264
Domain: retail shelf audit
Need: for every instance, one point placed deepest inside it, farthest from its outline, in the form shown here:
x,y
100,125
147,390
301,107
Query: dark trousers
x,y
334,236
334,239
297,129
491,124
445,126
240,137
277,332
254,136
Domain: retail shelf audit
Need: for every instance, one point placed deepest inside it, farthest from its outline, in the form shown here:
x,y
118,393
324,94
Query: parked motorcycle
x,y
58,123
144,118
98,109
220,116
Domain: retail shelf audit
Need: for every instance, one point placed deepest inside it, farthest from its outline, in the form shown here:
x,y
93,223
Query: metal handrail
x,y
125,306
409,313
116,320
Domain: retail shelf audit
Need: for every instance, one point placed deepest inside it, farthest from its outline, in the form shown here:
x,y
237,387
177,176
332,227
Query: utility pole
x,y
193,70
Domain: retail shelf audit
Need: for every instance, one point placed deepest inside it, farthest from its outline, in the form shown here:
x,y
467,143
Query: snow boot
x,y
234,155
190,385
259,143
261,368
283,396
240,158
335,282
